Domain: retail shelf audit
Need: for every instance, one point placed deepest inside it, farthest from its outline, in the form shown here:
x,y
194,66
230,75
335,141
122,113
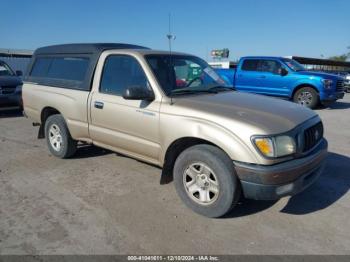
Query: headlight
x,y
275,146
19,88
327,83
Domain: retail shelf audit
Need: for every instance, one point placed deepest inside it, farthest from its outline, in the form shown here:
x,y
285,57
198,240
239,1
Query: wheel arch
x,y
298,87
46,112
175,149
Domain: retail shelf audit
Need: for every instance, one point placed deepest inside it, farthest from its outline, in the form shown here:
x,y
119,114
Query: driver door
x,y
271,81
125,126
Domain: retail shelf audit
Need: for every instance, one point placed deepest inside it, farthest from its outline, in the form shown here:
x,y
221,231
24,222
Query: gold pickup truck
x,y
174,111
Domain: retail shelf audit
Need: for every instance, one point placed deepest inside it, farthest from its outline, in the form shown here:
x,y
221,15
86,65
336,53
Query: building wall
x,y
16,63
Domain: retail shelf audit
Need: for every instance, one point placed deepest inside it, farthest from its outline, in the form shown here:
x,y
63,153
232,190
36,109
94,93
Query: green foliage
x,y
339,57
343,57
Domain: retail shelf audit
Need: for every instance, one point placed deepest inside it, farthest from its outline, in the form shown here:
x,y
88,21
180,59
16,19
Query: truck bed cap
x,y
92,48
91,52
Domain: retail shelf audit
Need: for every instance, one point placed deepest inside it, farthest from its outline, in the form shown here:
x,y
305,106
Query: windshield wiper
x,y
222,88
211,90
192,91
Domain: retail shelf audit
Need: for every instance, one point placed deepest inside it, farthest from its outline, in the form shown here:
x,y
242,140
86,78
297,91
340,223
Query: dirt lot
x,y
103,203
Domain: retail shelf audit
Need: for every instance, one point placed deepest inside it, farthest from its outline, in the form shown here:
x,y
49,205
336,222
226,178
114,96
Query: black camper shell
x,y
84,56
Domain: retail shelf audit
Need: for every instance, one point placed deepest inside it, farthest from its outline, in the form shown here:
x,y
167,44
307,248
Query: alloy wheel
x,y
201,184
55,137
305,98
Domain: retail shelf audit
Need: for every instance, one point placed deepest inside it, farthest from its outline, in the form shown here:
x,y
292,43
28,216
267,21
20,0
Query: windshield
x,y
5,70
180,74
294,65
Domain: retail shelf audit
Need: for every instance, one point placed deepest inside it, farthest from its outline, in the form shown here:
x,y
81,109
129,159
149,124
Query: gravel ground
x,y
103,203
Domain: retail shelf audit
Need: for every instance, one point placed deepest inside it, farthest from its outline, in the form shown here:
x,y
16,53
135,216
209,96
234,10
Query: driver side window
x,y
121,72
270,66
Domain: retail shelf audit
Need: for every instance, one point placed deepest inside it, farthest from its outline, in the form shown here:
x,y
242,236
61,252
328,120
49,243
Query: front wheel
x,y
205,180
306,96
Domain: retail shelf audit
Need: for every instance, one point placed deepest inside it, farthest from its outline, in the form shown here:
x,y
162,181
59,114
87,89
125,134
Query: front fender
x,y
177,127
308,81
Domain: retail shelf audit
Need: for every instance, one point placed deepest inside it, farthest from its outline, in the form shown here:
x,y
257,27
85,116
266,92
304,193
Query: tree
x,y
342,57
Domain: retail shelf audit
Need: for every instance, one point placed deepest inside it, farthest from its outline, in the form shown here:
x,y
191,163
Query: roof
x,y
159,52
306,60
93,48
262,57
92,52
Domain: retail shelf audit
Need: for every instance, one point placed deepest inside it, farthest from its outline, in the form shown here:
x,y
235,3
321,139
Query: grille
x,y
312,136
6,90
340,85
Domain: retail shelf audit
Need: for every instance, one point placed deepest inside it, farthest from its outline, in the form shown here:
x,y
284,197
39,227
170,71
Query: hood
x,y
320,74
243,111
10,81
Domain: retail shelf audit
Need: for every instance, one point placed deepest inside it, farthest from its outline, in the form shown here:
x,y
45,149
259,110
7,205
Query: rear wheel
x,y
205,180
306,96
58,138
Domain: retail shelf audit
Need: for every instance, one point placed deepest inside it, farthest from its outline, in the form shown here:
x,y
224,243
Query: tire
x,y
58,138
217,167
306,96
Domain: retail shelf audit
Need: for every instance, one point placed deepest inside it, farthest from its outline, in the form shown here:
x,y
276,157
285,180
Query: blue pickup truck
x,y
284,77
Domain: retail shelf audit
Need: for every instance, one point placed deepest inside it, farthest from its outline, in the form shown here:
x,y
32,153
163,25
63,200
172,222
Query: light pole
x,y
170,36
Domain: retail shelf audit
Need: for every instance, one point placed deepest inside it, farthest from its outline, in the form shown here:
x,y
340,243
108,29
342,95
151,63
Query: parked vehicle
x,y
347,83
10,86
214,141
345,75
284,77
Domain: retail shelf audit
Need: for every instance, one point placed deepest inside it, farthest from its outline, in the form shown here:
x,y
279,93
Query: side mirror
x,y
19,73
283,71
138,93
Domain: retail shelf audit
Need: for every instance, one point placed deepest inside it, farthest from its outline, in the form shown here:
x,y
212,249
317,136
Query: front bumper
x,y
14,99
289,178
332,97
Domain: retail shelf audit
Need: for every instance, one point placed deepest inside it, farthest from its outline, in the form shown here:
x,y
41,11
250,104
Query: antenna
x,y
170,36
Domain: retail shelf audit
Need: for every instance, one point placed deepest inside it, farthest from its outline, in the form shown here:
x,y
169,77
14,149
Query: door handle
x,y
98,105
262,77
